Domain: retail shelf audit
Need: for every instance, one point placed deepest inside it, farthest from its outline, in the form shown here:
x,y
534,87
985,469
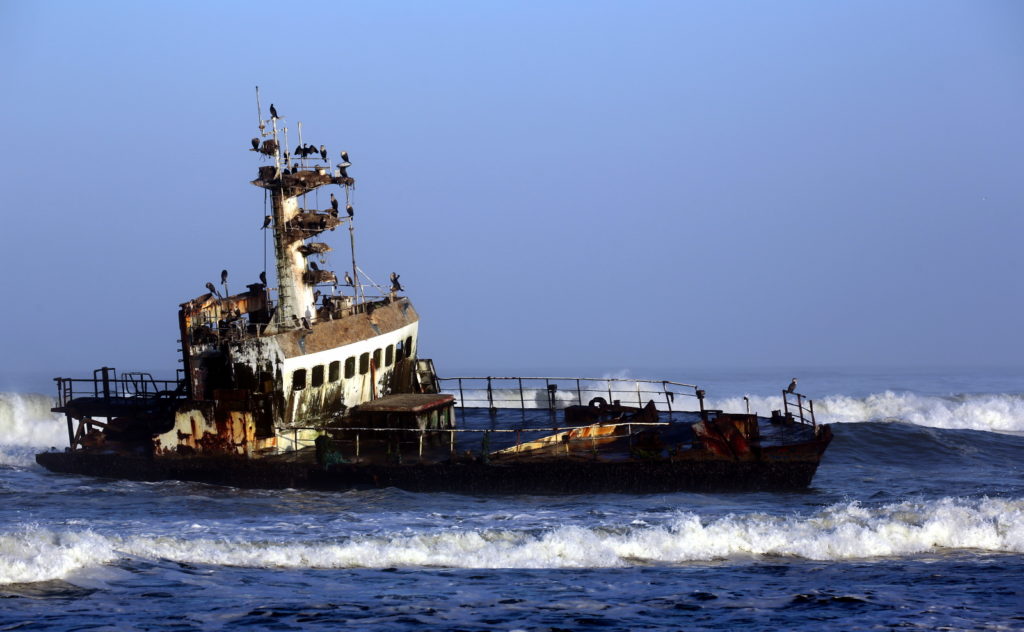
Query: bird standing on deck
x,y
395,285
273,111
792,386
255,144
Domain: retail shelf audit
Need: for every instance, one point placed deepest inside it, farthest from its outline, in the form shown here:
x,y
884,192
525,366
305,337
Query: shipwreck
x,y
316,382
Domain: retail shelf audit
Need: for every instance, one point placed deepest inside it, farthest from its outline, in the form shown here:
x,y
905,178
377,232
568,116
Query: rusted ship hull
x,y
551,476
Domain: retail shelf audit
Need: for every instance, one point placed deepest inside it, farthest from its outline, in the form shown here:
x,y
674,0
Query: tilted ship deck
x,y
318,383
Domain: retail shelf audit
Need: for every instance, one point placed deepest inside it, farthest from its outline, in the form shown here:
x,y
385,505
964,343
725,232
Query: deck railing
x,y
105,383
799,407
556,393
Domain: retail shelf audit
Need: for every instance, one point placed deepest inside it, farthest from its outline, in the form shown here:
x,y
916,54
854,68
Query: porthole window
x,y
389,355
376,358
334,371
299,379
350,367
318,376
364,363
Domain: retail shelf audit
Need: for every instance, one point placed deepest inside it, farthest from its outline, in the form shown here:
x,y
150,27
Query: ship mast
x,y
288,180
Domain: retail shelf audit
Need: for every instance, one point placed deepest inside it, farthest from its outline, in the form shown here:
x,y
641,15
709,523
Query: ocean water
x,y
915,520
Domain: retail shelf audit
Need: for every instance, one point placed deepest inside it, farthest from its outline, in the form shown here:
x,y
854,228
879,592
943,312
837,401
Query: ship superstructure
x,y
280,369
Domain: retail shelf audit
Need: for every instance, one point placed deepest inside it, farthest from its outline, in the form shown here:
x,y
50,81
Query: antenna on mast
x,y
259,112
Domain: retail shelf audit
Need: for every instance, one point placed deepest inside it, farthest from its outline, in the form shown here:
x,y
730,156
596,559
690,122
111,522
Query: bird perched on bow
x,y
792,386
395,285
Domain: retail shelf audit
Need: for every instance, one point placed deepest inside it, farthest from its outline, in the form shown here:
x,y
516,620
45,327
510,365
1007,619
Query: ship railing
x,y
105,383
429,443
557,393
798,407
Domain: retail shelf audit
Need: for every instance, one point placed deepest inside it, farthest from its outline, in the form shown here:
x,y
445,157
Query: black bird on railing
x,y
323,153
334,204
348,280
263,278
266,221
255,144
395,285
344,156
348,209
313,266
792,386
273,111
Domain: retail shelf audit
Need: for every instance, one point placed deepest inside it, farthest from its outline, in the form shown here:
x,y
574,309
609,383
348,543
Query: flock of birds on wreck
x,y
304,150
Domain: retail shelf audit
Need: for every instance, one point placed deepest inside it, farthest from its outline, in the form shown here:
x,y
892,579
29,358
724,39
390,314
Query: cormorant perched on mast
x,y
348,280
792,386
395,285
323,153
266,221
263,277
273,111
334,204
348,209
224,281
344,157
255,144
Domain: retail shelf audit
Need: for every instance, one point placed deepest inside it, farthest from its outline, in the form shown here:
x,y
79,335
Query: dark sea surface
x,y
915,520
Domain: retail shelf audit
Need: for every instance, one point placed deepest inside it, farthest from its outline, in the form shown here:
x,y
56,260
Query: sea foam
x,y
845,531
990,412
26,421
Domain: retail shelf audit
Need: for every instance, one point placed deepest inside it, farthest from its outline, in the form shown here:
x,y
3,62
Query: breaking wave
x,y
845,531
991,412
26,421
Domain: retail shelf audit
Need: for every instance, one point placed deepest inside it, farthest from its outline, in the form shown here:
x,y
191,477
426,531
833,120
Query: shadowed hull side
x,y
469,476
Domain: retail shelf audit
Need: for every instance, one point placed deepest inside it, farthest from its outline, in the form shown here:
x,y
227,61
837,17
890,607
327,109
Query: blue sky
x,y
586,185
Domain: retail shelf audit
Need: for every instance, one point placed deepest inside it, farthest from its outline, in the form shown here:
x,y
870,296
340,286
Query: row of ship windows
x,y
392,354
